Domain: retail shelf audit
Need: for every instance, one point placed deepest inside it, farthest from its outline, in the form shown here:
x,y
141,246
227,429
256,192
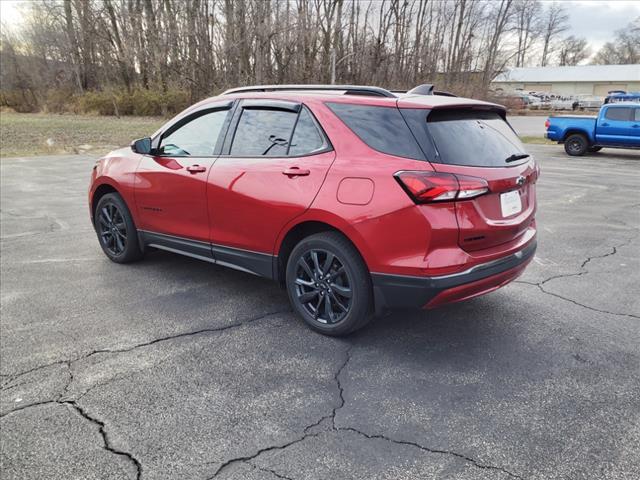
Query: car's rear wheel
x,y
116,231
576,145
329,285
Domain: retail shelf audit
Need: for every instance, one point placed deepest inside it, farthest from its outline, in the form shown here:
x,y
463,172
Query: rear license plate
x,y
510,203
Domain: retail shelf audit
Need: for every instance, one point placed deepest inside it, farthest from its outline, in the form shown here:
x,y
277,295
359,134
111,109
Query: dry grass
x,y
537,140
27,134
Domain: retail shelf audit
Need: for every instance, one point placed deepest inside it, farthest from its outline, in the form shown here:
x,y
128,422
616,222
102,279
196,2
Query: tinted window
x,y
263,132
473,138
618,113
382,128
637,118
306,137
196,138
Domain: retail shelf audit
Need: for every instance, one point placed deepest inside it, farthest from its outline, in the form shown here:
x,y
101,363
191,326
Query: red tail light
x,y
427,187
547,123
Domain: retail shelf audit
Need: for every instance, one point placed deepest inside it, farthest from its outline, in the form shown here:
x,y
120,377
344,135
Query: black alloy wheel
x,y
116,231
329,285
323,286
112,229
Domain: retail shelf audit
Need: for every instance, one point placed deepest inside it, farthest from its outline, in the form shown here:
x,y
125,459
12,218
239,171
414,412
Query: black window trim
x,y
180,122
285,105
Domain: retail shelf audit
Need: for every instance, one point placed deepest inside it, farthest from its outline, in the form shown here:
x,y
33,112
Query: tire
x,y
347,289
594,149
116,231
576,145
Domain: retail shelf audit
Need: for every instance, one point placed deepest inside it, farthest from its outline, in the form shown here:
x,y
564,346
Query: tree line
x,y
200,47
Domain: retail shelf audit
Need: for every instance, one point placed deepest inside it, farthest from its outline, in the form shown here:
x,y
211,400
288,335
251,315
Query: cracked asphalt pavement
x,y
172,368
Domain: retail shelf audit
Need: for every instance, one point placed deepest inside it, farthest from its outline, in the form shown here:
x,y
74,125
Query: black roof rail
x,y
348,89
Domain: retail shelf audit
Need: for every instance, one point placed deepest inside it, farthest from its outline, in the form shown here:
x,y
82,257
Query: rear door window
x,y
381,128
618,113
473,138
306,139
263,132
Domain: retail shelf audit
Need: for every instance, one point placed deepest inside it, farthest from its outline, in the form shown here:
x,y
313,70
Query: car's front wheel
x,y
116,231
329,285
576,145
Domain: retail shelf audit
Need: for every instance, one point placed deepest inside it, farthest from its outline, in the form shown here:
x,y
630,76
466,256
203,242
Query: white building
x,y
582,79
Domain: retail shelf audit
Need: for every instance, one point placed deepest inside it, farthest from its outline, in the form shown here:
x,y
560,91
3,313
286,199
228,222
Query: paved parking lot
x,y
171,368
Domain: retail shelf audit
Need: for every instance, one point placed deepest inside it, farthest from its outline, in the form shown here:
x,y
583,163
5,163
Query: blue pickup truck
x,y
616,126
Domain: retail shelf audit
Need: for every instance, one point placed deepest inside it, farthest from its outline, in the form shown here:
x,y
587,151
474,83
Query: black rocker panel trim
x,y
260,264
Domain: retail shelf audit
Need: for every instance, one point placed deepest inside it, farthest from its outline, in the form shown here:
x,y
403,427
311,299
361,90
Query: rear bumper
x,y
398,291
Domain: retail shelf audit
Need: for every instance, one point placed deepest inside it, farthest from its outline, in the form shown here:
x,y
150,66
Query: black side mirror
x,y
142,145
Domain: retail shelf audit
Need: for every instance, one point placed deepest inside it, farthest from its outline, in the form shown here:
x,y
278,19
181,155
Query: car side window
x,y
263,132
197,137
306,137
637,116
381,128
618,113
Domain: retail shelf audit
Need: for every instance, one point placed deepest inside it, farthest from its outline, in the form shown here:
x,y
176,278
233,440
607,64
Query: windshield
x,y
474,138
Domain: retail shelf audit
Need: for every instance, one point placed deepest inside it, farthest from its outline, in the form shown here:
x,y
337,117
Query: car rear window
x,y
381,128
473,138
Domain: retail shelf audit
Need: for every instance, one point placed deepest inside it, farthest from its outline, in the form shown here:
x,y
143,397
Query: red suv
x,y
355,199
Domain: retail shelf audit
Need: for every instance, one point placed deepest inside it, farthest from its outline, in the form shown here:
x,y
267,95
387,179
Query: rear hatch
x,y
477,143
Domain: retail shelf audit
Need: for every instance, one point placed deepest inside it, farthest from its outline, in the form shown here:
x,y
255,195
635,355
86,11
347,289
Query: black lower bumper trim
x,y
397,291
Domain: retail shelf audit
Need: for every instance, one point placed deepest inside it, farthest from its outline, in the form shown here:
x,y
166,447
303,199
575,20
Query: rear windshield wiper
x,y
516,156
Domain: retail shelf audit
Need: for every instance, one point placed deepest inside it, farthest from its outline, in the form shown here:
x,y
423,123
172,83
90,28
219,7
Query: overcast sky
x,y
595,20
598,20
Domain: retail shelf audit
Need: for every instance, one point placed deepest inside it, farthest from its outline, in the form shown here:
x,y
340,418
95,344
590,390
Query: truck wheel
x,y
594,149
576,145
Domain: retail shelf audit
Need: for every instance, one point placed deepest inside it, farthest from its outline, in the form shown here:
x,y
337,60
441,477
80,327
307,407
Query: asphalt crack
x,y
105,439
306,431
583,271
332,427
107,445
12,377
473,461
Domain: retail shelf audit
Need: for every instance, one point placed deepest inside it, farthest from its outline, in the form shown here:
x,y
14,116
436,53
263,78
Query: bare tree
x,y
555,22
573,51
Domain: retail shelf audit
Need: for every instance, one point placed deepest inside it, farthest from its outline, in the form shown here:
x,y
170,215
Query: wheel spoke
x,y
327,263
105,212
102,221
328,311
316,263
308,296
305,266
305,283
337,302
119,244
341,290
121,226
316,311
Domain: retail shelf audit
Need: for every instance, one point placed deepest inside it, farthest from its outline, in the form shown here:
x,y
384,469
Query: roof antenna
x,y
424,89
